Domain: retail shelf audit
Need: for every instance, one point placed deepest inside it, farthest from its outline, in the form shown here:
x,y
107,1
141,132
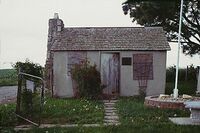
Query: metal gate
x,y
30,97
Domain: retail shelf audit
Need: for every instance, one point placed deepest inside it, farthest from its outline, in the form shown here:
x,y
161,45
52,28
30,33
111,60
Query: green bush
x,y
186,83
191,72
30,104
87,79
29,67
188,87
7,116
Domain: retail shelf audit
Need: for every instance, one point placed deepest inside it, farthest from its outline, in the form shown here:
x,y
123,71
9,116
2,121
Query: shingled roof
x,y
111,38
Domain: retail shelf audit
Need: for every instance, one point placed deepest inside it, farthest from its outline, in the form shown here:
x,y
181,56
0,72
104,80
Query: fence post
x,y
186,74
198,80
19,92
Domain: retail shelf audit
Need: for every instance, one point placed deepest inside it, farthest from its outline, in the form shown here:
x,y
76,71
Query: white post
x,y
178,52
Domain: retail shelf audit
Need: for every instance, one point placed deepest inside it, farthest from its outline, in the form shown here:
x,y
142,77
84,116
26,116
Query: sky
x,y
24,26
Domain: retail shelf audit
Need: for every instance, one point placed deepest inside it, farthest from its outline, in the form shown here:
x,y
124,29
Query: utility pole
x,y
178,52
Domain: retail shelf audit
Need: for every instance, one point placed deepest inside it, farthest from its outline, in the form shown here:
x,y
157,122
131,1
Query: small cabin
x,y
128,58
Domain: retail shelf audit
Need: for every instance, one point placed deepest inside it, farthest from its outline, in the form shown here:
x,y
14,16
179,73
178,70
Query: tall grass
x,y
7,116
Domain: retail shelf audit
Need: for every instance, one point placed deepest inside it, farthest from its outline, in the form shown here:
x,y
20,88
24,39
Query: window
x,y
143,66
126,61
74,58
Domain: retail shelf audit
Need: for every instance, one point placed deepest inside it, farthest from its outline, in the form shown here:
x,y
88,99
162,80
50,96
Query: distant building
x,y
128,58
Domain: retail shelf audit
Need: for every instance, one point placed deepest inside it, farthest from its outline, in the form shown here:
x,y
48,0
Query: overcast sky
x,y
24,26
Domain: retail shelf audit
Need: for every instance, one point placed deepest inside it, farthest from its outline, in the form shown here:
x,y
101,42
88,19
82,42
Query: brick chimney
x,y
56,26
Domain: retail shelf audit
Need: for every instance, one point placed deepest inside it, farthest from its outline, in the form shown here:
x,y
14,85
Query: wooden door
x,y
110,73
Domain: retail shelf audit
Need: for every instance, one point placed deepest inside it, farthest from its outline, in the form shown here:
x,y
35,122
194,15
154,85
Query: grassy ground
x,y
134,117
72,111
7,117
8,77
59,111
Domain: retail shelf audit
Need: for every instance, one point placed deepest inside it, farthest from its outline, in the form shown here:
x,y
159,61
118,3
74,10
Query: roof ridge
x,y
157,27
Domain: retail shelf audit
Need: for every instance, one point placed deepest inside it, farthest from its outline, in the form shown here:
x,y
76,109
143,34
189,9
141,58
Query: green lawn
x,y
60,111
79,111
8,77
134,117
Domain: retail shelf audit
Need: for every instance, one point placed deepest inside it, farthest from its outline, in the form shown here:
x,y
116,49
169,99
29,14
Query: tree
x,y
28,102
29,67
165,13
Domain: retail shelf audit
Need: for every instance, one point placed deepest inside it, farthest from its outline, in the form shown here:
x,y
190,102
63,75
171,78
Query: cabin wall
x,y
130,87
63,87
62,84
94,58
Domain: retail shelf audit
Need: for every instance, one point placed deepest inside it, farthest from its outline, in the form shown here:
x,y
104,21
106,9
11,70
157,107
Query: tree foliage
x,y
29,100
185,74
29,67
165,13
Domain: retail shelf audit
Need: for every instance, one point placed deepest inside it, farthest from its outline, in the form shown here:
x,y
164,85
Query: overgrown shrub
x,y
30,103
30,99
188,74
88,80
29,67
187,80
7,116
188,87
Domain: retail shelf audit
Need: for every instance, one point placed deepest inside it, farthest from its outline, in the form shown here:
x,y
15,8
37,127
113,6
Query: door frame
x,y
119,59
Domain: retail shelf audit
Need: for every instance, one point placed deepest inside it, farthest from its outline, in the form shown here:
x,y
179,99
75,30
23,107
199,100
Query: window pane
x,y
126,61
